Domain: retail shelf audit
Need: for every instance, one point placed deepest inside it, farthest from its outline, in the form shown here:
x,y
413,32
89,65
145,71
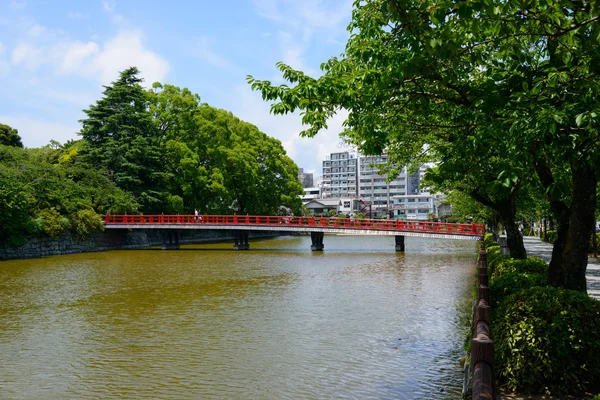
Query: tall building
x,y
349,175
305,178
416,203
373,187
339,175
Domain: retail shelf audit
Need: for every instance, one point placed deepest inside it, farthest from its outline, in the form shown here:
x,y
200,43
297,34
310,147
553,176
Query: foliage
x,y
488,240
53,222
85,223
120,136
511,282
32,180
465,207
14,209
9,136
591,249
546,340
532,265
218,163
144,151
476,86
550,236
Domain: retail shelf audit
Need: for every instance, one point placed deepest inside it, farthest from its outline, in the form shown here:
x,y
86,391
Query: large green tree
x,y
9,136
426,79
219,163
121,137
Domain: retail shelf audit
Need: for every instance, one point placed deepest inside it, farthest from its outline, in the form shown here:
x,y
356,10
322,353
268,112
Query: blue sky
x,y
55,57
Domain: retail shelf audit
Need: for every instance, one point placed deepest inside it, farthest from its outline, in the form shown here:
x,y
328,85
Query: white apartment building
x,y
339,175
350,175
373,187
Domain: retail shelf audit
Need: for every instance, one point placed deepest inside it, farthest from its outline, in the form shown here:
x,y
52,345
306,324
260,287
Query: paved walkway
x,y
535,247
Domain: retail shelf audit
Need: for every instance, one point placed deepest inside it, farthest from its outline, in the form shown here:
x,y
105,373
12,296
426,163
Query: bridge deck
x,y
350,226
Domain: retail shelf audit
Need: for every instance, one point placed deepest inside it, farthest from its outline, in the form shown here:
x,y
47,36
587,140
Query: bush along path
x,y
536,247
546,339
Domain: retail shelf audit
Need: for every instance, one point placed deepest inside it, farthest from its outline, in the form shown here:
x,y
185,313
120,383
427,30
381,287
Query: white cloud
x,y
91,60
75,55
37,133
109,5
28,55
77,15
126,50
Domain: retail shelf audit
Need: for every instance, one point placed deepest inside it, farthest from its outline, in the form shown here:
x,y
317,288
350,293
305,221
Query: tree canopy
x,y
463,83
9,136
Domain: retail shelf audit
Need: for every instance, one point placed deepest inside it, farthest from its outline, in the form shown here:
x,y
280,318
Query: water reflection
x,y
276,322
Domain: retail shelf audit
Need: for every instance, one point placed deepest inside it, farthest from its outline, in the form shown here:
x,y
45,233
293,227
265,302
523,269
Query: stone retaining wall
x,y
114,239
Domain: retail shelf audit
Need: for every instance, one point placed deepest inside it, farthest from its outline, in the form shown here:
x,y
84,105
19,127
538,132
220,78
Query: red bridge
x,y
317,226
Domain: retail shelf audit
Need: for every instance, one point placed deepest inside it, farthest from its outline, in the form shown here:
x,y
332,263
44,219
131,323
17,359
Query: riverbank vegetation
x,y
142,151
545,338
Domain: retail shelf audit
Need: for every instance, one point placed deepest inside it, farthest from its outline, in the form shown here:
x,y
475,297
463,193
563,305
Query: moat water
x,y
357,321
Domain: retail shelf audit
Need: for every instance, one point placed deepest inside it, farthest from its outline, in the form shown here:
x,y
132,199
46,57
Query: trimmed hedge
x,y
494,258
548,340
532,265
513,282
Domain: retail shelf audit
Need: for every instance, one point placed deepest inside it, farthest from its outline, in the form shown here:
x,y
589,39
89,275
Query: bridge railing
x,y
333,222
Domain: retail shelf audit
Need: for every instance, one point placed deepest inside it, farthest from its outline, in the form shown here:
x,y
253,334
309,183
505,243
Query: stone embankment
x,y
110,240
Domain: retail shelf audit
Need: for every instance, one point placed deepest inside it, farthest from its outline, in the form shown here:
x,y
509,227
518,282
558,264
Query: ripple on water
x,y
356,321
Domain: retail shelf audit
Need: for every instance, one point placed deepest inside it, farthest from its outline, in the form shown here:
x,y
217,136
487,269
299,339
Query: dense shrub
x,y
85,223
488,240
512,282
531,265
548,340
53,223
494,258
550,236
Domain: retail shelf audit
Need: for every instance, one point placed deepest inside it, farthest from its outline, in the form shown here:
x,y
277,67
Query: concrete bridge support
x,y
241,240
399,243
170,240
317,241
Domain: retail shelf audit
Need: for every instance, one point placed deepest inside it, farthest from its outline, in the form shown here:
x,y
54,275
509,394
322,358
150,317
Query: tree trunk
x,y
514,239
570,253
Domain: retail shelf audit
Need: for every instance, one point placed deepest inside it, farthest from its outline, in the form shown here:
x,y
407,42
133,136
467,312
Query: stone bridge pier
x,y
241,240
170,240
317,241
